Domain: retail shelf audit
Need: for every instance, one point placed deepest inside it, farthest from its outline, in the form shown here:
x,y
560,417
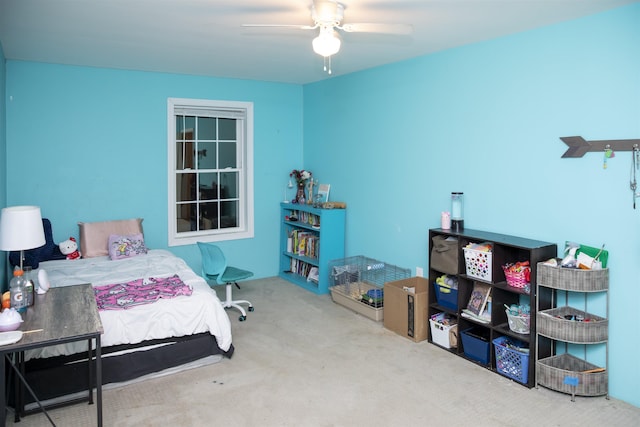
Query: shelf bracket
x,y
578,146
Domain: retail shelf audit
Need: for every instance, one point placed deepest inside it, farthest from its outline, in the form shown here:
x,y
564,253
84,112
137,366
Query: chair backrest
x,y
213,261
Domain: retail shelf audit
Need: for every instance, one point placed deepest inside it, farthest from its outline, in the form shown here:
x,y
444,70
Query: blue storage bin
x,y
512,358
446,296
475,344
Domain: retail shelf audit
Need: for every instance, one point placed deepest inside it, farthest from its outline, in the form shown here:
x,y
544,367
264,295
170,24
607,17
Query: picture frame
x,y
323,192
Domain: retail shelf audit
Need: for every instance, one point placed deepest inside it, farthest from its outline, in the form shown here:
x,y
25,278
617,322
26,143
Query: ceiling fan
x,y
327,17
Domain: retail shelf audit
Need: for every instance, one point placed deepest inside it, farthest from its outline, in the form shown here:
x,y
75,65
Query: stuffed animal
x,y
70,248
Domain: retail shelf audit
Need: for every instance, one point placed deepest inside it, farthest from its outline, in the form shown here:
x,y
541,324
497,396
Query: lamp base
x,y
457,225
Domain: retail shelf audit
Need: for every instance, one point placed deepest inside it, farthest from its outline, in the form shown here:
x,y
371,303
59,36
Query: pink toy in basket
x,y
518,275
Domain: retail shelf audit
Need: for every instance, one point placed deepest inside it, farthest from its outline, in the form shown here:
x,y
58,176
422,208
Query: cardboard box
x,y
405,312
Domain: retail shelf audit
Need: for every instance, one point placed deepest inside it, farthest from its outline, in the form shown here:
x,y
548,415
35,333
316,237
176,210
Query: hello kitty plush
x,y
70,248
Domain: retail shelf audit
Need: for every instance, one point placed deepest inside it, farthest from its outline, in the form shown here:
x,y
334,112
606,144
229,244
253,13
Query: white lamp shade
x,y
327,43
21,228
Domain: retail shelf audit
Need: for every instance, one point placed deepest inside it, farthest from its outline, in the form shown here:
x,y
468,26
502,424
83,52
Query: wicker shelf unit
x,y
565,325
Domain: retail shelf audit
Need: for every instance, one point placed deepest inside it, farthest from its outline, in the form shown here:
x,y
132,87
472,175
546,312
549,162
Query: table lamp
x,y
21,229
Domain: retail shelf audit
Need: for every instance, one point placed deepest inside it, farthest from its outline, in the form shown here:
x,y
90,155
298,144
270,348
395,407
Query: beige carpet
x,y
302,360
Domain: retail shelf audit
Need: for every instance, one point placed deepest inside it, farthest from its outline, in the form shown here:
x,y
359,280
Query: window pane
x,y
209,216
185,126
206,155
187,214
185,155
227,155
208,186
180,125
206,128
185,187
228,214
227,128
230,185
180,148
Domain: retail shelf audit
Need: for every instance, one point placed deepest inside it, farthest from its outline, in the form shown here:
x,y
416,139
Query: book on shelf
x,y
479,298
484,317
305,218
313,275
304,243
300,268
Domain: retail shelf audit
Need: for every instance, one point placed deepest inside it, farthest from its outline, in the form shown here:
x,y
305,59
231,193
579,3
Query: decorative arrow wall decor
x,y
578,146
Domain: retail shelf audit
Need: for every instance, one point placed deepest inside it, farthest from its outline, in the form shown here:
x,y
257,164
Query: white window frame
x,y
245,228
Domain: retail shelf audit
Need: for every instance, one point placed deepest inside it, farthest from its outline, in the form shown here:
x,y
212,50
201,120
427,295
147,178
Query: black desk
x,y
64,314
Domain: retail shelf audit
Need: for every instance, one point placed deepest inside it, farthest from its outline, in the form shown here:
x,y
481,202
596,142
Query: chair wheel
x,y
242,318
251,308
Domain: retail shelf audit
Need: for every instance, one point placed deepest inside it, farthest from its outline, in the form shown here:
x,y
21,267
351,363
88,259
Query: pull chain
x,y
327,69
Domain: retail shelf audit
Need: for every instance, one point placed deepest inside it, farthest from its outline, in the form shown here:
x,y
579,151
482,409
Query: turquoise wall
x,y
485,119
90,144
3,161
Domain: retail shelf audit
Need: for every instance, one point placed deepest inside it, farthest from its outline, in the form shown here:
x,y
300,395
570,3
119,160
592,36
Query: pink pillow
x,y
126,246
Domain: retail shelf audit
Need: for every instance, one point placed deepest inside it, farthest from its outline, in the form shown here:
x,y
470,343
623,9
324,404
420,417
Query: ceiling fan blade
x,y
301,27
402,29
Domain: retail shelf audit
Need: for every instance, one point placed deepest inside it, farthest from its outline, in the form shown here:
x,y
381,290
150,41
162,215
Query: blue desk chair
x,y
216,272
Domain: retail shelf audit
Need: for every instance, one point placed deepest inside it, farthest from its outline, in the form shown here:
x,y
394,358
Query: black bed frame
x,y
59,376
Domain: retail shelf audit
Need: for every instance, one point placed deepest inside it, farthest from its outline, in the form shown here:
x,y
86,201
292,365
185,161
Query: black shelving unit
x,y
505,249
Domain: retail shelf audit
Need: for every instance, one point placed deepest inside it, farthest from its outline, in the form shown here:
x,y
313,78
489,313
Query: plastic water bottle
x,y
30,284
17,290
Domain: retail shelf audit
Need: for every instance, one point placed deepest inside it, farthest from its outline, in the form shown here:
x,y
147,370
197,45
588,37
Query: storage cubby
x,y
310,238
476,342
564,324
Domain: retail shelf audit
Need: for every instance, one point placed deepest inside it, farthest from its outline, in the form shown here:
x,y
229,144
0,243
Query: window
x,y
210,151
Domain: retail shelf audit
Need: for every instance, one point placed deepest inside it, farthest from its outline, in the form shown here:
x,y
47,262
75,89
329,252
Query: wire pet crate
x,y
357,283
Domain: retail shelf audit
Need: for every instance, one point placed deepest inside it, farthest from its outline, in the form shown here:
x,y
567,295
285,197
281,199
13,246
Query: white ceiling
x,y
205,37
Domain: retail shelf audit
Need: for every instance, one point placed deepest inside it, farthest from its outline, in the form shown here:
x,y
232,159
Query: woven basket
x,y
552,371
573,279
552,323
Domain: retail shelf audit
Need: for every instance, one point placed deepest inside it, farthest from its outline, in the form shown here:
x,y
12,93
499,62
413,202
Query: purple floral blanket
x,y
121,296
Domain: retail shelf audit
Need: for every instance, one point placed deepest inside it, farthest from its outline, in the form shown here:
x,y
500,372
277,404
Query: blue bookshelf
x,y
310,238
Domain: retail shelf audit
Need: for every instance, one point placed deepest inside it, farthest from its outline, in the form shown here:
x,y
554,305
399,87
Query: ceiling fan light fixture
x,y
327,43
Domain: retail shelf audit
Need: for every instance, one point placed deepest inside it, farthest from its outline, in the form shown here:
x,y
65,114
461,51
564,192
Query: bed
x,y
140,339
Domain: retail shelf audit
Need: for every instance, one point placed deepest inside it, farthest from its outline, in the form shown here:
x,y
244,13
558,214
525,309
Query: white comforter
x,y
179,316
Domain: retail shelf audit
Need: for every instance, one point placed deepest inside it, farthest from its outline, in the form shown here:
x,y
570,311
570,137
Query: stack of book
x,y
479,306
305,243
304,269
